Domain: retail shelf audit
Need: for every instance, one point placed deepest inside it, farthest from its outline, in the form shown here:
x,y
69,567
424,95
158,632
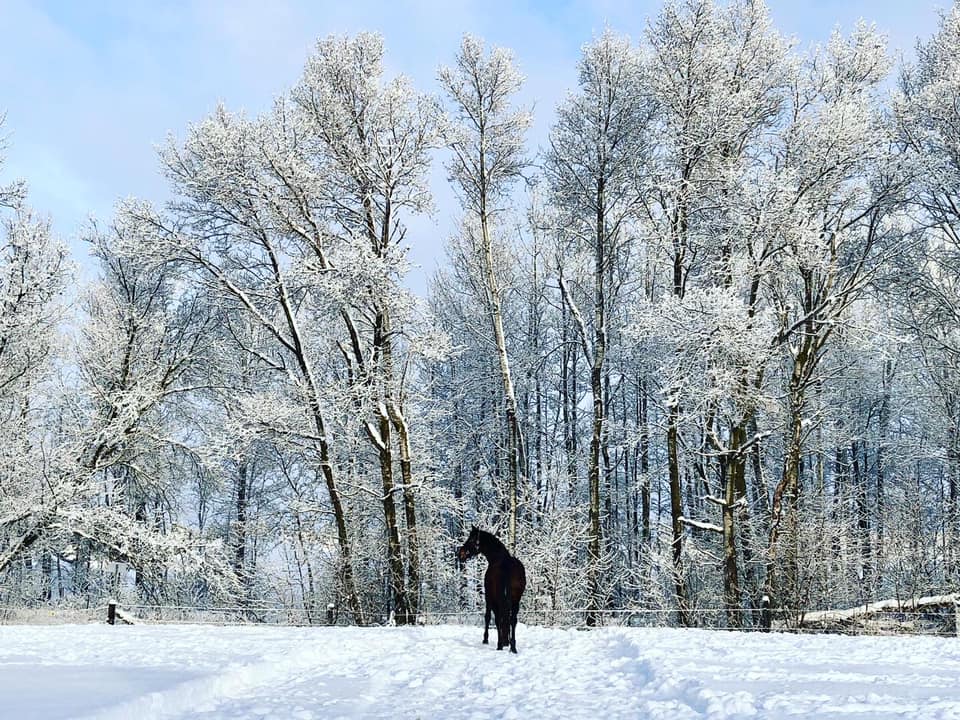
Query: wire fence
x,y
940,620
51,615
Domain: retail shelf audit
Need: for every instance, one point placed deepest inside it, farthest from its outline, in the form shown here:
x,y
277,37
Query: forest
x,y
700,348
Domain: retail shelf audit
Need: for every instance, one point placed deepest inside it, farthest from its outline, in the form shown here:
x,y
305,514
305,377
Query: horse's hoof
x,y
486,642
513,650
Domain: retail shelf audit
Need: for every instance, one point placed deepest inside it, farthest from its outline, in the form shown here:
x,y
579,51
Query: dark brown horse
x,y
503,584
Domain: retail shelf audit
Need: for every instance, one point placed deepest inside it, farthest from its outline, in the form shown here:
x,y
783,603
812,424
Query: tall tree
x,y
927,120
32,277
375,137
297,219
718,76
486,140
836,186
591,165
230,234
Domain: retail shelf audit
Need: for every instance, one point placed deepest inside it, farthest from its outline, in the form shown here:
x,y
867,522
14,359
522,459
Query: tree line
x,y
701,348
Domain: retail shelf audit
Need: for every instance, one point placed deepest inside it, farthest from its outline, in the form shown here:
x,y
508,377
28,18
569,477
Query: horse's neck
x,y
491,548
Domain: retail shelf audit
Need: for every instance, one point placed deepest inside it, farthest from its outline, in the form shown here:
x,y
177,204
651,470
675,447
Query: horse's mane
x,y
492,541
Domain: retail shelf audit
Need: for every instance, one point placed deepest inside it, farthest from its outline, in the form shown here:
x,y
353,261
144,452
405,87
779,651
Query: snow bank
x,y
211,673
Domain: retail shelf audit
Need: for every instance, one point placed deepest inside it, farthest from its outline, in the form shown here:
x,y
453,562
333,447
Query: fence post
x,y
330,609
765,618
112,613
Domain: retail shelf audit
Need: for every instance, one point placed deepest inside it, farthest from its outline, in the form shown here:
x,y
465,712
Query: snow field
x,y
213,673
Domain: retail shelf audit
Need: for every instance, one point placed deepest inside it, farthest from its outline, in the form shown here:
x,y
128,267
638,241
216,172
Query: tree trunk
x,y
863,518
593,477
240,528
568,382
410,513
679,228
676,515
734,492
785,505
883,432
761,491
644,463
514,437
296,344
343,537
597,446
394,555
952,520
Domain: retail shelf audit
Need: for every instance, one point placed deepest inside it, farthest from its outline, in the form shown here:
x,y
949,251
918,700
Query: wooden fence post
x,y
112,613
765,615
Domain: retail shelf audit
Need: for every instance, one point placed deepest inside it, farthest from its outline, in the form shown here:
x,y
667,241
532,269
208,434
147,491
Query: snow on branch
x,y
701,525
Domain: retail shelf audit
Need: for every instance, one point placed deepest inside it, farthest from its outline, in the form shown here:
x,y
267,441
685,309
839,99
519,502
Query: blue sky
x,y
90,88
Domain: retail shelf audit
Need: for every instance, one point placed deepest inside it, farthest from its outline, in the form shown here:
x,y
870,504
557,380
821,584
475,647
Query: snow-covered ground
x,y
204,672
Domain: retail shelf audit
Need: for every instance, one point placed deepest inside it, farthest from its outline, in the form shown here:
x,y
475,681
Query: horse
x,y
503,585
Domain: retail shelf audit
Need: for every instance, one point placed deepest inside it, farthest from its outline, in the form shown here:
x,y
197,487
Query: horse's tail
x,y
505,584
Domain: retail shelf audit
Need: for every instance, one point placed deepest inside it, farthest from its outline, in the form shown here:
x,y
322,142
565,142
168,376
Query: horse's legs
x,y
503,625
514,611
486,627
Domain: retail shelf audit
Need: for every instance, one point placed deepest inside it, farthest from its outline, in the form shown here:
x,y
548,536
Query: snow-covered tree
x,y
32,277
836,187
718,76
593,167
927,120
294,220
485,135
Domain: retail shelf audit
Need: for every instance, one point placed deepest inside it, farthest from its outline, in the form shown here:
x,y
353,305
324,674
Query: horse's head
x,y
471,547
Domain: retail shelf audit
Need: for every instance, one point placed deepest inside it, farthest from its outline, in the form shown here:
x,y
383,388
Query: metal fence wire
x,y
940,620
